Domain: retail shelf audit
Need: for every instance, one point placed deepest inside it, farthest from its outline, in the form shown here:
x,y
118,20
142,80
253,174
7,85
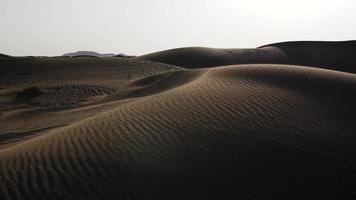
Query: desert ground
x,y
274,122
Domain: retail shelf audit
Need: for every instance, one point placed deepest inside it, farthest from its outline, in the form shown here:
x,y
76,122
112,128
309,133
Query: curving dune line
x,y
244,131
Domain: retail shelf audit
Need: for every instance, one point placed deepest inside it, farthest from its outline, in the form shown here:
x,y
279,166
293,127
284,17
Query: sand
x,y
116,128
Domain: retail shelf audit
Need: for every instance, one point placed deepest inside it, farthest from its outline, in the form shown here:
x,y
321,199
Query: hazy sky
x,y
54,27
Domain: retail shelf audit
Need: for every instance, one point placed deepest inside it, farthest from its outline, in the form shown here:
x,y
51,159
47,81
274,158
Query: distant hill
x,y
73,54
88,53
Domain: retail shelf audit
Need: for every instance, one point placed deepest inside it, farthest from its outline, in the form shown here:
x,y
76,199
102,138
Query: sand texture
x,y
192,123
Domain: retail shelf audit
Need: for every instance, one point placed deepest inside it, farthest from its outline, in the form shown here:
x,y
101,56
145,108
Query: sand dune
x,y
339,56
111,128
39,88
200,57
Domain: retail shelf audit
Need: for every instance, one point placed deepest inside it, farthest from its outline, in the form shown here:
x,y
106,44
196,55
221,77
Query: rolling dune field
x,y
191,123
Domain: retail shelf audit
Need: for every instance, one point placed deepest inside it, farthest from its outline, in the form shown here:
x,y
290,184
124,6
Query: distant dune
x,y
200,57
152,127
330,55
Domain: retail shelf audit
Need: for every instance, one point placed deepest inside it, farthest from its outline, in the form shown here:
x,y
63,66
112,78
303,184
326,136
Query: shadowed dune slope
x,y
245,131
339,56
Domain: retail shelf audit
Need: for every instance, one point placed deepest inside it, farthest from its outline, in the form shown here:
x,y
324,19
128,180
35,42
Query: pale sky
x,y
135,27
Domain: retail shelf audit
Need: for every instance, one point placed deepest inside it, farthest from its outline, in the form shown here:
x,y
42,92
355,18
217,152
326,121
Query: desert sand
x,y
275,122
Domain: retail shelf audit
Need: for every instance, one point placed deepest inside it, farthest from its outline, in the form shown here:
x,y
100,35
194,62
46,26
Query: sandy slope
x,y
254,131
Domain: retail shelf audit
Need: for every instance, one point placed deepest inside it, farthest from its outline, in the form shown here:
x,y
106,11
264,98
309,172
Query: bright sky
x,y
135,27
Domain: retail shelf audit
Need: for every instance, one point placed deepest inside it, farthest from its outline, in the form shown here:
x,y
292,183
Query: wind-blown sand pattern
x,y
115,128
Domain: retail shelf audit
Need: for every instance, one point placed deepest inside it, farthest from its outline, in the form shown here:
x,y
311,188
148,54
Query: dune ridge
x,y
135,129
